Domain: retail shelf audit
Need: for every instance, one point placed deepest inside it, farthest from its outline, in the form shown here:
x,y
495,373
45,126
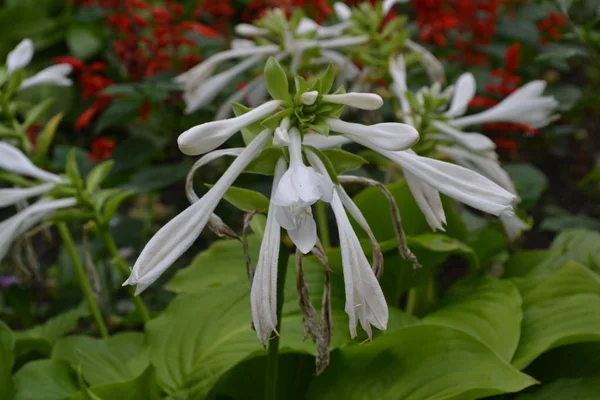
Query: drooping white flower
x,y
20,56
173,239
281,136
463,93
263,295
513,225
363,101
365,303
15,195
55,75
18,224
299,188
13,160
388,135
429,201
525,106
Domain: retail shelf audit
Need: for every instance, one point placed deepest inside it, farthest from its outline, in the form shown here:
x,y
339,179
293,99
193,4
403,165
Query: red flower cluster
x,y
317,9
470,24
219,12
92,83
150,39
549,27
507,82
102,149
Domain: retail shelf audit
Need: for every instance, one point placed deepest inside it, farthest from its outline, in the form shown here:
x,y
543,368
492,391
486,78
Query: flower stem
x,y
273,354
65,235
123,269
323,224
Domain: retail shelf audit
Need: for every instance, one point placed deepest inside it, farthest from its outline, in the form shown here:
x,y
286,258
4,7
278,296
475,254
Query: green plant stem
x,y
65,235
123,269
273,353
323,224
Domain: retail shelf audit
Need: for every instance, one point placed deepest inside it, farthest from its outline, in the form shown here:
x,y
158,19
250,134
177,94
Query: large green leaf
x,y
7,358
579,360
42,337
45,380
579,245
522,262
415,363
431,249
566,389
487,309
199,337
142,387
557,311
116,359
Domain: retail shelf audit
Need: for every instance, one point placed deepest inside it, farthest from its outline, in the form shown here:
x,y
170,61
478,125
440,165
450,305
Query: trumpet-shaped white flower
x,y
12,196
388,135
20,56
55,75
173,239
263,295
23,221
299,188
206,137
13,160
525,106
365,303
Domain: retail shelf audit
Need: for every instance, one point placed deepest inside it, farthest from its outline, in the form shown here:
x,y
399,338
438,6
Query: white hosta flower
x,y
263,295
363,101
388,4
309,98
299,188
250,30
20,56
486,163
281,137
55,75
319,141
13,160
12,196
524,106
23,221
365,303
433,66
464,91
388,135
342,11
307,25
206,137
473,141
173,239
206,92
429,201
513,225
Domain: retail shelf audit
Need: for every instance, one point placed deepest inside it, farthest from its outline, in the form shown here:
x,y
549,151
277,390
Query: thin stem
x,y
273,354
65,235
323,224
123,269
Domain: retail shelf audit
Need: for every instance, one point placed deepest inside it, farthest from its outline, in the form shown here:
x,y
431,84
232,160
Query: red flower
x,y
102,149
549,27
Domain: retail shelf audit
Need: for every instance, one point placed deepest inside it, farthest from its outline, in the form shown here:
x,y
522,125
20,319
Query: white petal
x,y
55,75
173,239
319,141
206,92
20,56
250,30
342,11
206,137
192,78
263,295
365,302
525,106
455,181
432,65
21,222
238,96
305,236
363,101
284,217
486,164
13,196
205,159
306,25
464,92
429,201
281,138
309,98
388,135
13,160
513,225
343,41
242,44
286,193
473,141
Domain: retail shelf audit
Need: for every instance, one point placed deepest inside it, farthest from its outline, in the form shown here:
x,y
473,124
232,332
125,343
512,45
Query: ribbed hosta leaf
x,y
566,389
142,387
557,311
415,363
488,309
116,359
45,380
